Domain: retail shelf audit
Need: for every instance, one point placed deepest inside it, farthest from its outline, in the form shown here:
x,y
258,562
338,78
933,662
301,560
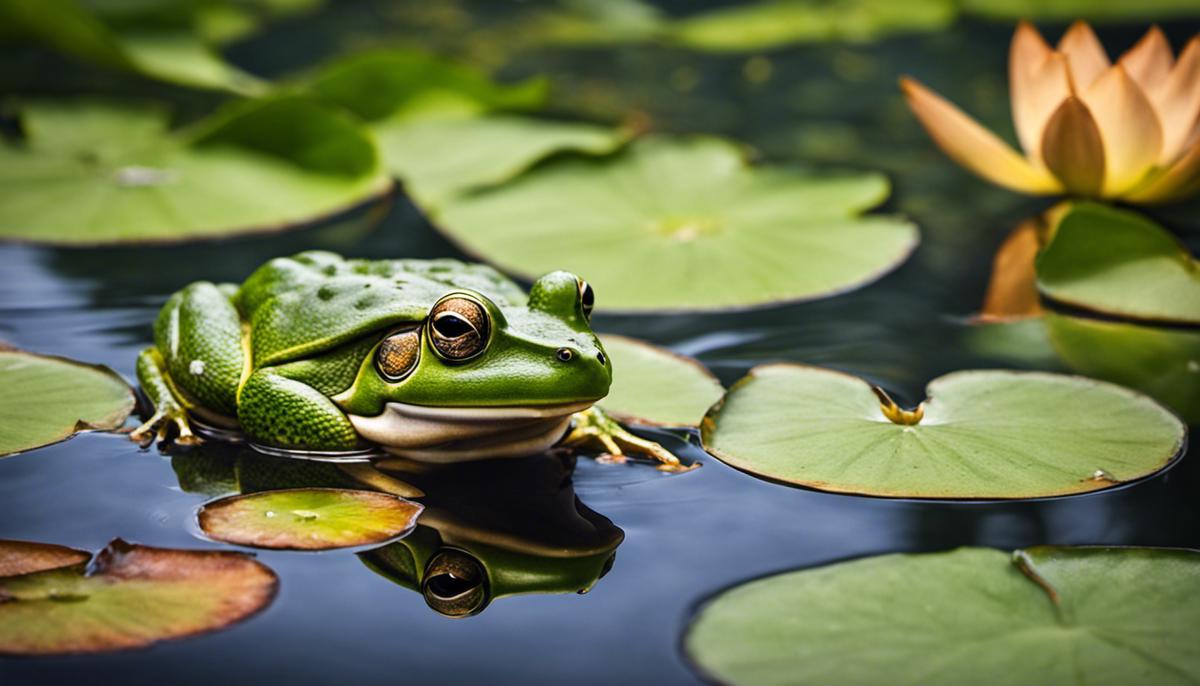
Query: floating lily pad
x,y
50,399
445,128
1163,363
91,173
684,224
25,557
652,385
980,434
1120,263
776,23
130,597
309,518
1090,10
163,50
1046,615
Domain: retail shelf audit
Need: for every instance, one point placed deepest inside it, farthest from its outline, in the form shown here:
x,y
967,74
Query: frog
x,y
436,360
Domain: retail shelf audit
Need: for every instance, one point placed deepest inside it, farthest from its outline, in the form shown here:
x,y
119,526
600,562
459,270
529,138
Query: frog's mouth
x,y
459,434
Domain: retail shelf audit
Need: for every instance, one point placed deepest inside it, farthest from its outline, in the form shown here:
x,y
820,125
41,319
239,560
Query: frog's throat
x,y
459,434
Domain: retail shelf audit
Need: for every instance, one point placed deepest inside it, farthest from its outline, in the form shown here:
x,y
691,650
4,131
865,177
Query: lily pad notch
x,y
981,435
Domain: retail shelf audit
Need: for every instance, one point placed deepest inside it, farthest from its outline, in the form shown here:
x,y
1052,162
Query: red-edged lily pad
x,y
130,597
27,557
309,518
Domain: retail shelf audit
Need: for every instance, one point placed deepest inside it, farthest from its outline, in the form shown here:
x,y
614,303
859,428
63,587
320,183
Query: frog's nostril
x,y
603,360
565,354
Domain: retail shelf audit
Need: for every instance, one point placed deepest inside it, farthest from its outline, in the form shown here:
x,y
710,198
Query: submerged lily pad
x,y
981,434
130,597
1120,263
26,557
91,173
1161,362
445,128
309,518
684,224
168,51
50,399
1046,615
652,385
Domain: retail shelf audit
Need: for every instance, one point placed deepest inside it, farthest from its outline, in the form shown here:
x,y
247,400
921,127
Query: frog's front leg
x,y
593,427
278,411
170,408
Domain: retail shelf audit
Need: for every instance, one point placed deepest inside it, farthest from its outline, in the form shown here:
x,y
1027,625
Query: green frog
x,y
430,360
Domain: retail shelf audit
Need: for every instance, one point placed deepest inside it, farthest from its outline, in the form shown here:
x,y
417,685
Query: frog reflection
x,y
490,529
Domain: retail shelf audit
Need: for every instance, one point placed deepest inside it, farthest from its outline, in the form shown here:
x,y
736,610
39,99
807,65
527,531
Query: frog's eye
x,y
455,584
458,327
587,299
398,354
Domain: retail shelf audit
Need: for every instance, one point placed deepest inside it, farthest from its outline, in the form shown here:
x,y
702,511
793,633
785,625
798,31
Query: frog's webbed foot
x,y
593,428
157,429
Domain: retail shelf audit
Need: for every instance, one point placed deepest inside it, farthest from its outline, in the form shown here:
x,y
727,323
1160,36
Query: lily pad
x,y
50,399
984,434
445,128
684,224
654,386
1045,615
775,23
166,51
1089,10
1120,263
91,173
130,597
309,518
26,557
1161,362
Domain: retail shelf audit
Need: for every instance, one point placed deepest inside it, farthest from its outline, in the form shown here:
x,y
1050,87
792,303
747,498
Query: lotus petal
x,y
972,146
1128,126
1073,150
1149,62
1085,54
1176,182
1178,102
1035,96
1012,292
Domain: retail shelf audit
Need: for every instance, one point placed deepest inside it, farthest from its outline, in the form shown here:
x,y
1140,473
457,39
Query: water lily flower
x,y
1089,127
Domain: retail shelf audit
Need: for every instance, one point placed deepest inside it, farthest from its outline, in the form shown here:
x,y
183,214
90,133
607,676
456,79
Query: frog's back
x,y
314,301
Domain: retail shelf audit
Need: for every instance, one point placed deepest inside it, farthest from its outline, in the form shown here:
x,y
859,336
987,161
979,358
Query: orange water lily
x,y
1128,130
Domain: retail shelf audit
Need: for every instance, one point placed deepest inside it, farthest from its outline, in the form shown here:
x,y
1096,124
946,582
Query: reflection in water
x,y
490,529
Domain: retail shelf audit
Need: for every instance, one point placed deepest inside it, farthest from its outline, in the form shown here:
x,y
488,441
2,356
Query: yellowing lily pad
x,y
1045,615
309,518
652,385
684,224
1120,263
90,173
50,399
1161,362
25,557
131,596
445,128
979,435
168,51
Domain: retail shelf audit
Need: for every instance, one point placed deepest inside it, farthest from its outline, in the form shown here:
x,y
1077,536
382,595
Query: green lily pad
x,y
775,23
445,128
1090,10
130,597
684,224
50,399
1163,363
438,158
89,173
1045,615
1120,263
26,557
162,50
654,386
985,434
309,518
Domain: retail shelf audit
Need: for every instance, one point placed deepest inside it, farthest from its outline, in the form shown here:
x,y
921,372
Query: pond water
x,y
686,536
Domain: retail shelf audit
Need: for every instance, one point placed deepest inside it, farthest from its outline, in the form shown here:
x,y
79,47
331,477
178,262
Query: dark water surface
x,y
686,536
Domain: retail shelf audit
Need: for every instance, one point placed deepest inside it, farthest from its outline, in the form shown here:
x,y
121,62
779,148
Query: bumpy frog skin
x,y
433,360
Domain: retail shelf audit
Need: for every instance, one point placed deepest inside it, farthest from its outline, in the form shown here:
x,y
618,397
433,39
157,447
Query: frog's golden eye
x,y
455,584
398,354
587,299
458,327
